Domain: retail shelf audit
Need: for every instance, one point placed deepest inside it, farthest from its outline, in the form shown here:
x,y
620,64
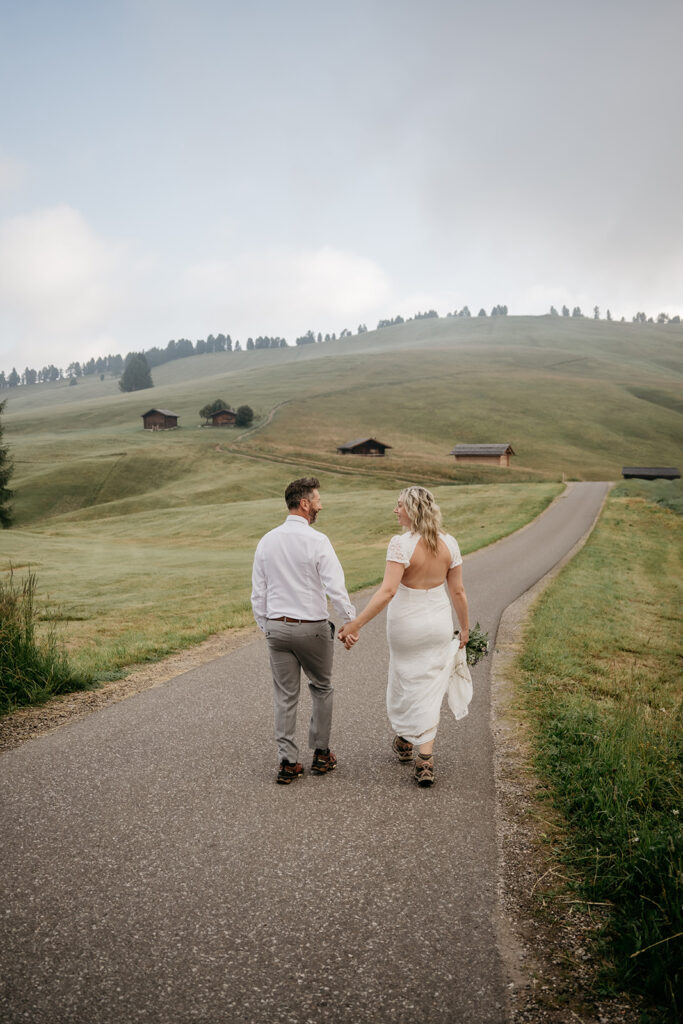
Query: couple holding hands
x,y
296,570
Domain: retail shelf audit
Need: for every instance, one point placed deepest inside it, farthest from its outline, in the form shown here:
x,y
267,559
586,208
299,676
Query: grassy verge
x,y
136,587
601,685
31,669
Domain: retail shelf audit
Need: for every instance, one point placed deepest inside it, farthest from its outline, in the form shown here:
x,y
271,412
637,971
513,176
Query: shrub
x,y
245,416
31,669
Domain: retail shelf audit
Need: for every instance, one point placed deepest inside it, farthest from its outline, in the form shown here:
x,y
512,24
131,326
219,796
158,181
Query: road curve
x,y
151,871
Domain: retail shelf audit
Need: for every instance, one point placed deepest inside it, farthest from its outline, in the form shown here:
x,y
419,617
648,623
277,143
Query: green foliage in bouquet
x,y
477,647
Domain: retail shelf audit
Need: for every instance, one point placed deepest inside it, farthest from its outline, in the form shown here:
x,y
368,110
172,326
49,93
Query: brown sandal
x,y
424,770
402,748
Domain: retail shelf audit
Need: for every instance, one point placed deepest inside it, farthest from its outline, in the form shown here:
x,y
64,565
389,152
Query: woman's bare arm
x,y
456,590
392,577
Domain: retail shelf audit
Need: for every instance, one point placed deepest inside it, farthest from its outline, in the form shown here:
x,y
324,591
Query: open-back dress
x,y
425,658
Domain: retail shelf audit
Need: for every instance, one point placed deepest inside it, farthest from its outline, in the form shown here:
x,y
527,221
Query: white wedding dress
x,y
425,659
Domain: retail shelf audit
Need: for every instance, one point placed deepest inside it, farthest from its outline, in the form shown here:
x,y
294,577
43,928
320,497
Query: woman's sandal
x,y
424,770
402,748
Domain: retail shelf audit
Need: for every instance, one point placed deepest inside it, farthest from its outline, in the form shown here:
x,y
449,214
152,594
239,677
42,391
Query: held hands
x,y
347,635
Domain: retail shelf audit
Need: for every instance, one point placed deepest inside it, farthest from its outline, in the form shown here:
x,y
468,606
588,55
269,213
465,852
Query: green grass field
x,y
133,587
573,397
143,540
600,681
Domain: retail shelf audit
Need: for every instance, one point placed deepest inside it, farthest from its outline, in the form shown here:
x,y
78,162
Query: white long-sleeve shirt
x,y
295,570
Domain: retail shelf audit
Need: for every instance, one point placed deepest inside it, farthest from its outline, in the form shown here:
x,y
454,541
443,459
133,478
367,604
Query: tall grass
x,y
602,688
667,493
32,669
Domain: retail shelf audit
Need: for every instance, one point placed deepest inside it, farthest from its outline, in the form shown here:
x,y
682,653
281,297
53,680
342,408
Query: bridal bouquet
x,y
477,647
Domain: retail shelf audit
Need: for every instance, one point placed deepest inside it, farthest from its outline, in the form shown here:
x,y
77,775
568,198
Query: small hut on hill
x,y
159,419
650,473
363,446
222,418
486,454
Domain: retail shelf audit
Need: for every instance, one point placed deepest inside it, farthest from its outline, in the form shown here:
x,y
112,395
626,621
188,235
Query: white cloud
x,y
287,291
56,276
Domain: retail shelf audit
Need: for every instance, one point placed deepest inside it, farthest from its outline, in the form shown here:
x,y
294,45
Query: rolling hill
x,y
574,397
142,541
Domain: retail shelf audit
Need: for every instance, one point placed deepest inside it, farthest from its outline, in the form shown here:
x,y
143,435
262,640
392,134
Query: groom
x,y
295,570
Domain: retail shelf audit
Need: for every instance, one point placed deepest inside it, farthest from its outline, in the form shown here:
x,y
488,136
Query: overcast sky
x,y
178,168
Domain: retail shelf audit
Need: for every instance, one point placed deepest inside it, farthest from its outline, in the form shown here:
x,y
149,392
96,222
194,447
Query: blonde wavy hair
x,y
424,514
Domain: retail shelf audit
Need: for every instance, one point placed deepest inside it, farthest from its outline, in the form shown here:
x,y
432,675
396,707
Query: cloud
x,y
287,291
56,276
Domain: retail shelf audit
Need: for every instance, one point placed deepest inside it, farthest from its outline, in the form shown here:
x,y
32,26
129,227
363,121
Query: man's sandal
x,y
402,748
424,770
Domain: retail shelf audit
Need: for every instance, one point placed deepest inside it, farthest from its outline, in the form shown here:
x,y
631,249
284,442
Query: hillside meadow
x,y
142,541
575,398
135,587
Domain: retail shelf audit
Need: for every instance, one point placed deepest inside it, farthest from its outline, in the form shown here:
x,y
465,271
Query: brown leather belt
x,y
286,618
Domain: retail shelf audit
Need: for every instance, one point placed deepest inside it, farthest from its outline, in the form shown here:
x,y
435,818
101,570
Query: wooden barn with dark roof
x,y
223,418
650,473
159,419
486,454
363,446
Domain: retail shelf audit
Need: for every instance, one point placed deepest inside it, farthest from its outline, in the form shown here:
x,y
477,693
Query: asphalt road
x,y
152,871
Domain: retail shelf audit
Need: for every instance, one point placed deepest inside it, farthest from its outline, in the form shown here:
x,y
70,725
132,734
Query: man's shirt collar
x,y
297,519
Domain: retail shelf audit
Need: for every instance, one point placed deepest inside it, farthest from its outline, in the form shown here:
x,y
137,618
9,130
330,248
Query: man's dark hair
x,y
302,488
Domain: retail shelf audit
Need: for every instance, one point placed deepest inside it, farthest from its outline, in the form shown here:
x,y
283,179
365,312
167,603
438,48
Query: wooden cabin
x,y
650,473
159,419
363,446
222,418
484,454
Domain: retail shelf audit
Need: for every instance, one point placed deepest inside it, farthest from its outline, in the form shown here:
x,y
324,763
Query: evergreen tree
x,y
6,468
565,311
13,378
183,348
136,375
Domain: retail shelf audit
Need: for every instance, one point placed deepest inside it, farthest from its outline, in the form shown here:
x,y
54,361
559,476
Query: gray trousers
x,y
293,646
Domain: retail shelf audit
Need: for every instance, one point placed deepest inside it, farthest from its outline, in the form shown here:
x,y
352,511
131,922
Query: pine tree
x,y
6,468
136,375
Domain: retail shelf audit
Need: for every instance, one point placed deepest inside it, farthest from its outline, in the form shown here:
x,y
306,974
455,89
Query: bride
x,y
425,659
